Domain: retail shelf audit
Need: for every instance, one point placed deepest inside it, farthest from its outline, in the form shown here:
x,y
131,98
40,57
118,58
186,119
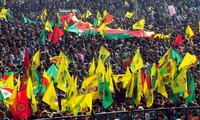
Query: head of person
x,y
120,85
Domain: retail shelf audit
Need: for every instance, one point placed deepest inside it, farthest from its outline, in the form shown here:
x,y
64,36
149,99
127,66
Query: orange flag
x,y
108,18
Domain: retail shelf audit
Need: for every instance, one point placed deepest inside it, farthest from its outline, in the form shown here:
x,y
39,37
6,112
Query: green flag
x,y
175,54
173,97
95,22
57,22
38,81
107,95
191,91
9,16
26,20
52,71
100,86
42,37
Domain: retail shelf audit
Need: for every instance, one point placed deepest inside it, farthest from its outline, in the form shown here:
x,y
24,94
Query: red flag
x,y
27,61
56,34
108,18
20,108
148,81
178,40
143,79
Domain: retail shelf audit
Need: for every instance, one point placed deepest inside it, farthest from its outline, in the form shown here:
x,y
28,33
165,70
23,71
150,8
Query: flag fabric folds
x,y
108,18
88,14
99,18
50,97
30,94
92,68
107,95
36,60
3,13
42,37
139,25
104,13
126,4
180,83
137,62
45,82
178,40
188,60
165,57
26,20
103,54
129,14
48,26
20,108
56,34
189,34
44,14
191,91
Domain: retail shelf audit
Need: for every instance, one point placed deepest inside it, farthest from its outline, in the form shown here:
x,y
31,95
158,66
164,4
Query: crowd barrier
x,y
151,114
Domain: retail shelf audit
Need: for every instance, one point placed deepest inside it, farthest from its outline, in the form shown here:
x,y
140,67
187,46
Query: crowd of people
x,y
16,36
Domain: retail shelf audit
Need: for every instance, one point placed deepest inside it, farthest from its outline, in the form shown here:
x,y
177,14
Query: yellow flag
x,y
72,89
44,14
131,87
86,105
65,25
139,25
99,18
48,26
57,59
150,8
61,76
50,97
109,78
3,13
81,103
137,62
180,83
126,4
165,57
100,69
124,78
129,14
139,88
10,100
29,88
92,68
10,81
189,33
167,36
88,14
187,61
153,70
161,87
101,29
89,80
150,98
83,16
128,70
104,13
30,94
103,54
36,59
158,35
162,36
